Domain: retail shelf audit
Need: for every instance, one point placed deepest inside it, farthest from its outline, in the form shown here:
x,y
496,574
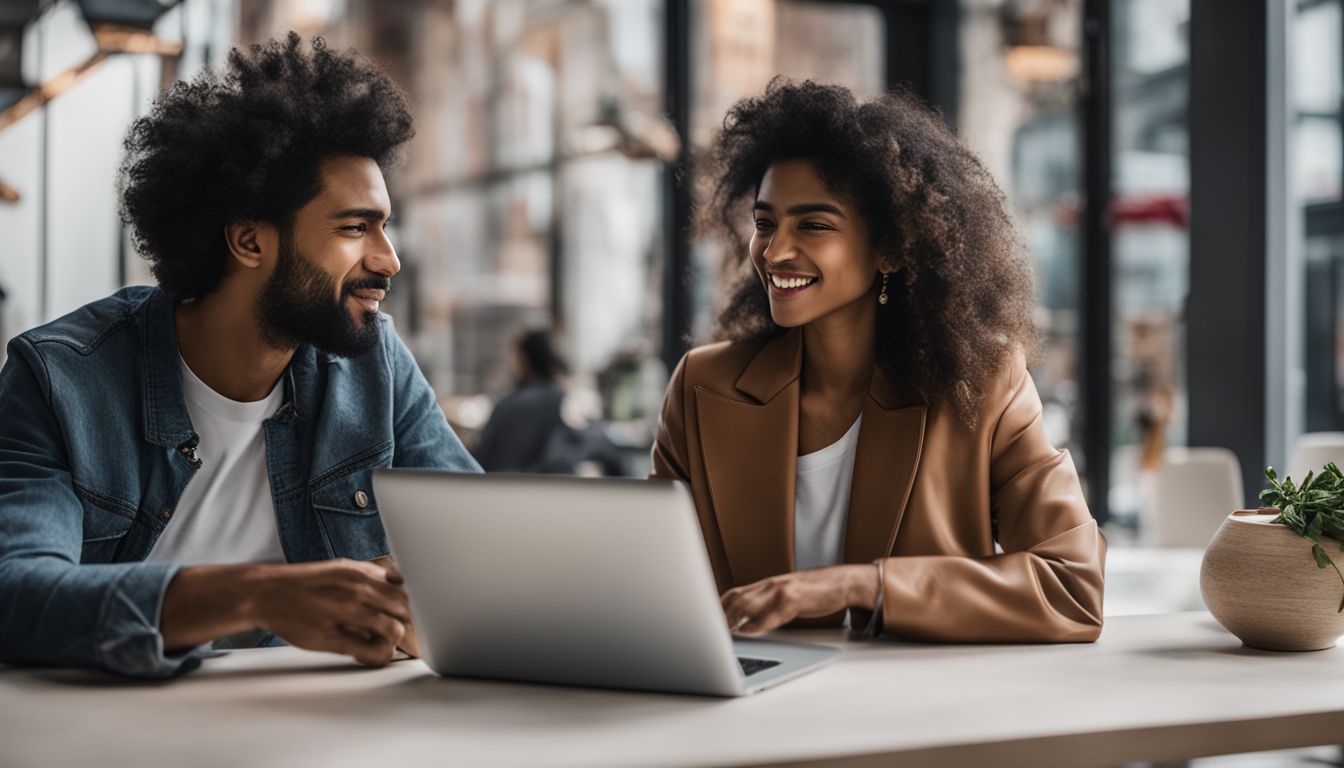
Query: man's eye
x,y
356,228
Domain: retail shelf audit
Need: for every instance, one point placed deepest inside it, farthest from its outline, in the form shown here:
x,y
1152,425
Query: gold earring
x,y
882,297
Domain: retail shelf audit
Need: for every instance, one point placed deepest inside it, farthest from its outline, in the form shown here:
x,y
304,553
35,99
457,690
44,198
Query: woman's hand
x,y
774,602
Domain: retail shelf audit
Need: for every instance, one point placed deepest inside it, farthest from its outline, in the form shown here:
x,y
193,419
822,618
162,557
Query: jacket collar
x,y
779,363
751,452
165,404
166,421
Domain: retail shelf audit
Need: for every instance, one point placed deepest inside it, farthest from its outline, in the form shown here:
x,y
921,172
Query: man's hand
x,y
774,602
409,642
342,606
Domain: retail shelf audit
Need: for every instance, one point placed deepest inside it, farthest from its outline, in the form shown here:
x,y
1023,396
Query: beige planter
x,y
1260,582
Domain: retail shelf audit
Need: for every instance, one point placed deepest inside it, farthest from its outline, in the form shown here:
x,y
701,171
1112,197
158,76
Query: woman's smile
x,y
785,284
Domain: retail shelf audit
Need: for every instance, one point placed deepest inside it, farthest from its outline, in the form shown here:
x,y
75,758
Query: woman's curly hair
x,y
248,146
962,302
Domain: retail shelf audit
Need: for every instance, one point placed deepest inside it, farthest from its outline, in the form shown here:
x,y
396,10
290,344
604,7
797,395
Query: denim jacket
x,y
96,448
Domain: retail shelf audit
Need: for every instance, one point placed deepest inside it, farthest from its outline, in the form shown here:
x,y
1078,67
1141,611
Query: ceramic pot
x,y
1260,582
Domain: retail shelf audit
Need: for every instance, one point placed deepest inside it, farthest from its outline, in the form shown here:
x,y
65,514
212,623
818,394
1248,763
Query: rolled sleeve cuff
x,y
129,640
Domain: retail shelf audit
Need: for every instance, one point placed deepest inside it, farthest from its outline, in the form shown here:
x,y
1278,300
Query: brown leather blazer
x,y
928,493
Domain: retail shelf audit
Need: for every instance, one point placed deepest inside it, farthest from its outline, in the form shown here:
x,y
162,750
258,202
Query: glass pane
x,y
1018,110
1316,74
1319,167
1316,43
1324,359
612,280
1316,57
1150,244
532,194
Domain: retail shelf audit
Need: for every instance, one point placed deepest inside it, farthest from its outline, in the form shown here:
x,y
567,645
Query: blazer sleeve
x,y
1047,586
669,447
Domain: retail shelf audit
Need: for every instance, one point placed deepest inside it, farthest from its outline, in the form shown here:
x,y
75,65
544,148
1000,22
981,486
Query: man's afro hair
x,y
248,145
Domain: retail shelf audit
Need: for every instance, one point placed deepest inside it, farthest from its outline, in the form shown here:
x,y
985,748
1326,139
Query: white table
x,y
1154,688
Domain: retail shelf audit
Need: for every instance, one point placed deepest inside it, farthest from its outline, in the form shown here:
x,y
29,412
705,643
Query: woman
x,y
867,429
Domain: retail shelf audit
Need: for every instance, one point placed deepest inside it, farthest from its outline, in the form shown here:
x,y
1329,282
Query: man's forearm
x,y
206,602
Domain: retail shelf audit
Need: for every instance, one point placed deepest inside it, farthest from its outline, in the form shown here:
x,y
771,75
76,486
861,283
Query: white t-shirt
x,y
225,514
821,502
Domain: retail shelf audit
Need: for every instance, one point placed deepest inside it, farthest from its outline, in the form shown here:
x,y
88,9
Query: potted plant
x,y
1268,575
1313,510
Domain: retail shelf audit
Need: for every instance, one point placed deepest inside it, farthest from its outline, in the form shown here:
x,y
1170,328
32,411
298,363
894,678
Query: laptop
x,y
572,581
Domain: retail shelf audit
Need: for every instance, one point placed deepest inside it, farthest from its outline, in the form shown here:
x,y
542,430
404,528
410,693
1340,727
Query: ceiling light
x,y
138,14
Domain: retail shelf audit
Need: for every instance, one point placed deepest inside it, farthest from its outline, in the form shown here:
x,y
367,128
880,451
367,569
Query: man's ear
x,y
246,241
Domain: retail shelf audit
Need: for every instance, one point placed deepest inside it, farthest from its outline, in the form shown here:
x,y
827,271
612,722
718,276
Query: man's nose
x,y
383,260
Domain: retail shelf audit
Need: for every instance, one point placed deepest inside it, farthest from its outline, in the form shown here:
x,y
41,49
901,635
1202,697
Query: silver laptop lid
x,y
559,579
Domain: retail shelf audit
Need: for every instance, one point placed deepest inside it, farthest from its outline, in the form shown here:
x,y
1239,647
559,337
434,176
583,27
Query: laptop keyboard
x,y
752,666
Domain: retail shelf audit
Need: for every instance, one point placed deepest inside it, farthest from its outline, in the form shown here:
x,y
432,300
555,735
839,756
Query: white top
x,y
225,514
821,502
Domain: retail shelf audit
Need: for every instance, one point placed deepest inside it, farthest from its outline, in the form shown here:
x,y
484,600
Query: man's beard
x,y
297,307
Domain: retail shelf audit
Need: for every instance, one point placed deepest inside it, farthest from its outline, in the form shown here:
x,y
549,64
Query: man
x,y
525,427
188,462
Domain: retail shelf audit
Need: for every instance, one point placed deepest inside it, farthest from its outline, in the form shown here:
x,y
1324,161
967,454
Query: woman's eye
x,y
815,225
764,224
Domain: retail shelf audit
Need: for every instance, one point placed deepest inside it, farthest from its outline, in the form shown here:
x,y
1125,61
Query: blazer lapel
x,y
750,448
891,440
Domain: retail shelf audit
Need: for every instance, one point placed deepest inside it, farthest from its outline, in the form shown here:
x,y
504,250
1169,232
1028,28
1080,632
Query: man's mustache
x,y
378,283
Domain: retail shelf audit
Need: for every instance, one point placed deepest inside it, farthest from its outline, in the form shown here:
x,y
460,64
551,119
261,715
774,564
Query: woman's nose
x,y
778,248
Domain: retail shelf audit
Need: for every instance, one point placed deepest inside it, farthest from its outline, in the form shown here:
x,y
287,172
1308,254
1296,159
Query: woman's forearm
x,y
861,586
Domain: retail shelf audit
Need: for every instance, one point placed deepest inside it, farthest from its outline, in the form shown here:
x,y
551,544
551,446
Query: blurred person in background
x,y
866,431
540,427
190,462
527,420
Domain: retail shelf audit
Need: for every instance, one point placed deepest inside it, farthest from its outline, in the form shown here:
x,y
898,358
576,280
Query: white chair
x,y
1313,450
1196,489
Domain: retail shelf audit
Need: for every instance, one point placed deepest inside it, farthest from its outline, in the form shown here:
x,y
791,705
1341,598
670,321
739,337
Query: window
x,y
1317,70
532,193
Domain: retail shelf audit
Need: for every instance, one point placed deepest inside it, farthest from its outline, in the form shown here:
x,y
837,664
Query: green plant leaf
x,y
1322,559
1314,529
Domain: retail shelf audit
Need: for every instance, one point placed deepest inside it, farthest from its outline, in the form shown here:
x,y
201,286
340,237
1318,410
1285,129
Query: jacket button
x,y
361,499
167,513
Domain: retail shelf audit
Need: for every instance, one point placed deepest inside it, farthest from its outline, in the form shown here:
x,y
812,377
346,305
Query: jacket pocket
x,y
347,509
106,522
